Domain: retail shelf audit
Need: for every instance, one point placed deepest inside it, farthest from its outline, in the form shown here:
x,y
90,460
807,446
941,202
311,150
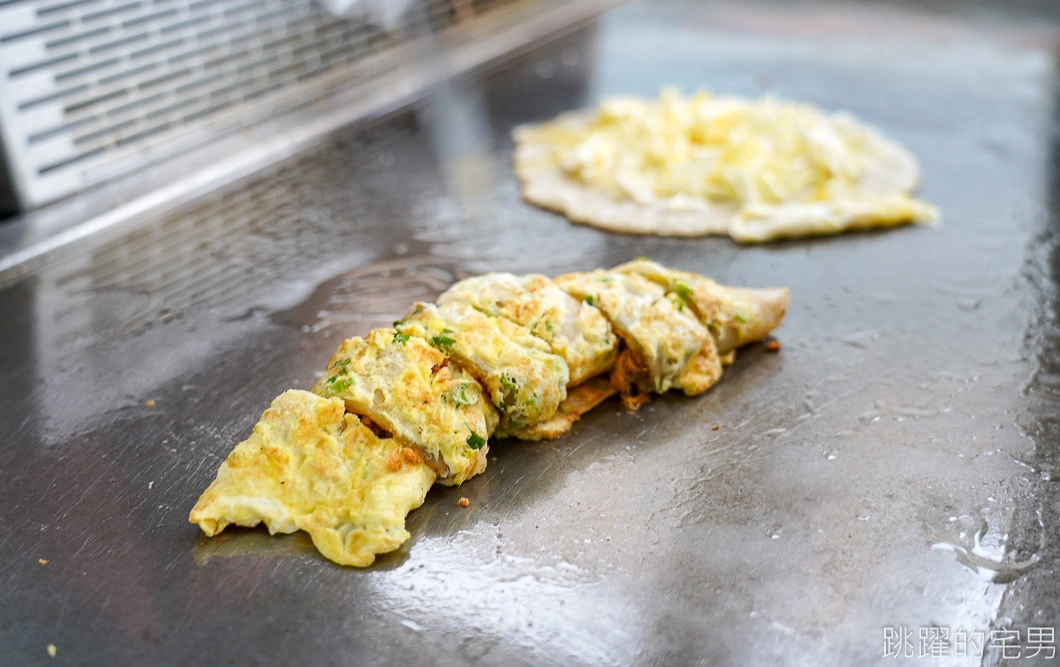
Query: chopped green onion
x,y
680,293
510,385
682,290
443,341
458,395
342,385
590,300
401,337
475,441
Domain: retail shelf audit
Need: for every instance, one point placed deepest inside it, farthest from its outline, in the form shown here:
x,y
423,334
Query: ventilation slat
x,y
63,6
114,77
34,31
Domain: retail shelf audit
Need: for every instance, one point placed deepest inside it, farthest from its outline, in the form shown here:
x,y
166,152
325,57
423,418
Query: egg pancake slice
x,y
309,466
662,334
580,399
573,329
735,316
523,378
409,388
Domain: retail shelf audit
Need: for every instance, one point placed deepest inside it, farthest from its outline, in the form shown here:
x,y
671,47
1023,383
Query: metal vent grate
x,y
86,82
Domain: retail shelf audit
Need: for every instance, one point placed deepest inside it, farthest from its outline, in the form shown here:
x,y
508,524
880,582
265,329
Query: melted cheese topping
x,y
775,169
712,148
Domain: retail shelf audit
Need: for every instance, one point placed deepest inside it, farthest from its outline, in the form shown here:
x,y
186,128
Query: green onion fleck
x,y
458,395
682,290
401,337
590,300
680,293
475,441
443,341
342,385
739,318
510,385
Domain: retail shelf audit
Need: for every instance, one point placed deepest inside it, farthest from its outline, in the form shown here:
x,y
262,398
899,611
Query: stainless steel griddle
x,y
892,467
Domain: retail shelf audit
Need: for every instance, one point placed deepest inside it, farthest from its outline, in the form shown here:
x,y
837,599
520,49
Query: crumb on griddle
x,y
52,650
42,561
773,346
633,402
150,403
715,427
463,502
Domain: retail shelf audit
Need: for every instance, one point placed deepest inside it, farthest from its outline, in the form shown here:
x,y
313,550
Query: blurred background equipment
x,y
91,90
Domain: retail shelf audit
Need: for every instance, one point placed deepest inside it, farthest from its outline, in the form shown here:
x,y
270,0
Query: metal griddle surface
x,y
892,466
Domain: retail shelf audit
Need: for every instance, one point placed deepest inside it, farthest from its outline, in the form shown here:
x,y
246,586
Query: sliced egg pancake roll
x,y
669,346
573,329
409,388
580,399
502,355
310,466
523,378
735,316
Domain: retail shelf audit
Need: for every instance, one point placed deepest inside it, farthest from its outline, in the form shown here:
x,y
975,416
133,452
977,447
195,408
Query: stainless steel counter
x,y
892,467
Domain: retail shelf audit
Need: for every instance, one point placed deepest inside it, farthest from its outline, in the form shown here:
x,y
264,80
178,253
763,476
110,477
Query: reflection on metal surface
x,y
550,610
375,293
915,384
